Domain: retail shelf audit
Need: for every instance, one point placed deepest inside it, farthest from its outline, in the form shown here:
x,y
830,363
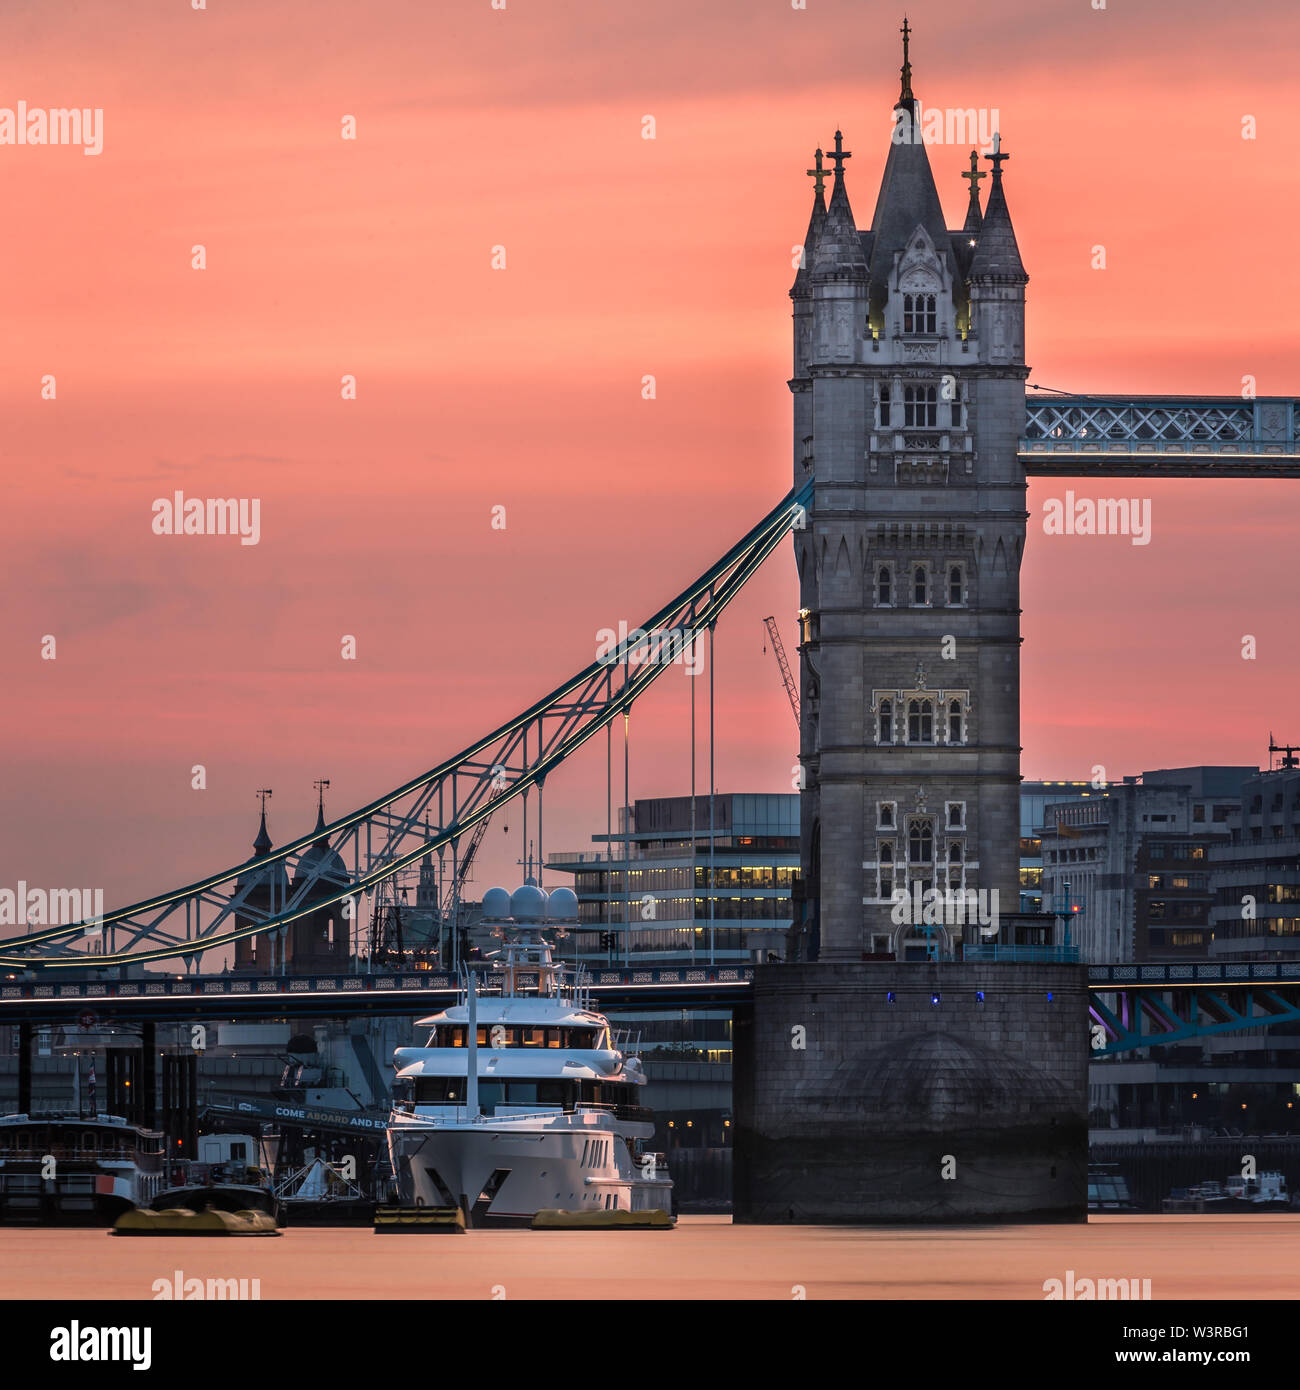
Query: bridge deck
x,y
1162,437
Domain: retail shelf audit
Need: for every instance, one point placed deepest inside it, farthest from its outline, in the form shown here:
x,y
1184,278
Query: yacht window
x,y
534,1037
439,1090
490,1094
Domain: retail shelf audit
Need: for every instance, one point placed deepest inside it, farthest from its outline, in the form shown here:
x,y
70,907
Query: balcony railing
x,y
1026,955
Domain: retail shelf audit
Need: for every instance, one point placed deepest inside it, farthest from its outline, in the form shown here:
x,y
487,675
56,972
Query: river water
x,y
705,1257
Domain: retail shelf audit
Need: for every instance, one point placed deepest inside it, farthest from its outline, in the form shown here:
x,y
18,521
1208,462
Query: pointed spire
x,y
320,809
839,248
973,215
262,845
905,97
815,223
997,257
908,196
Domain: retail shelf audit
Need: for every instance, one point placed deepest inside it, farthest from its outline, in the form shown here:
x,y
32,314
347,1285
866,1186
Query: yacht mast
x,y
471,1089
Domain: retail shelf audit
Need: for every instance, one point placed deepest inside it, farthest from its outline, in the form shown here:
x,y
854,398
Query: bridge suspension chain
x,y
256,898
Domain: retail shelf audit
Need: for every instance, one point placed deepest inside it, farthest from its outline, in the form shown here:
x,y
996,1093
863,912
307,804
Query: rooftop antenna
x,y
1288,751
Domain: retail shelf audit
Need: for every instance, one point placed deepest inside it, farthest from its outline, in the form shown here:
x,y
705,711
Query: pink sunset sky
x,y
521,387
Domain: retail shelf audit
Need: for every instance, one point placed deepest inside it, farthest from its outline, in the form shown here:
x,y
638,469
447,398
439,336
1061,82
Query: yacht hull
x,y
502,1175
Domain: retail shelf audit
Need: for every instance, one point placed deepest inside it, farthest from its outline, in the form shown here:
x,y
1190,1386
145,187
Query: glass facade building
x,y
664,889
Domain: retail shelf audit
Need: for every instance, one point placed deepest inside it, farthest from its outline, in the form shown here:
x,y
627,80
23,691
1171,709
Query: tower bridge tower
x,y
908,384
857,1072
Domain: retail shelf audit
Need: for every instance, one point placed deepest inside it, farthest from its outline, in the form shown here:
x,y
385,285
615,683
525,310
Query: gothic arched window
x,y
954,584
886,734
884,406
920,588
920,721
920,841
884,585
920,407
919,313
954,865
954,722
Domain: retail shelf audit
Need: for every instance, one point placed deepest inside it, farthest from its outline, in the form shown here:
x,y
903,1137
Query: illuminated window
x,y
919,313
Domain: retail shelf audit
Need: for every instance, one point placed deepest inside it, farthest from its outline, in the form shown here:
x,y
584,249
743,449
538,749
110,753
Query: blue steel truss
x,y
1162,436
424,815
1138,1018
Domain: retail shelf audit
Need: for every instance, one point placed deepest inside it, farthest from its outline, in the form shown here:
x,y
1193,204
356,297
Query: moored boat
x,y
75,1170
522,1099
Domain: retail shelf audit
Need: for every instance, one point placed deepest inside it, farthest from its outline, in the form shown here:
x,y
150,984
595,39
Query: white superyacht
x,y
521,1099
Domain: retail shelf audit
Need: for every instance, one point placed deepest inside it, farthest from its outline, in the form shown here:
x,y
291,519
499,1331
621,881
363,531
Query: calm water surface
x,y
705,1257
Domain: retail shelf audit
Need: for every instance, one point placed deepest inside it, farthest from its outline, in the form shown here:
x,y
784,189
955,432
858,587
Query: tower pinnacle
x,y
839,248
839,156
905,97
819,174
815,224
262,845
320,803
997,257
973,215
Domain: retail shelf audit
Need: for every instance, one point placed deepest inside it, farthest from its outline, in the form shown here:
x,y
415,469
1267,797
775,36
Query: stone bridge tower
x,y
908,383
941,1090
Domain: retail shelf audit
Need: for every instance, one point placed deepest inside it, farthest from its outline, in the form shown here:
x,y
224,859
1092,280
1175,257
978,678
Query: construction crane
x,y
786,677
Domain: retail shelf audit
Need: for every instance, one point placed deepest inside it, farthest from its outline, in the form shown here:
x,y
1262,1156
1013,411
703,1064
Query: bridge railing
x,y
1170,435
1192,974
421,983
1080,418
1025,955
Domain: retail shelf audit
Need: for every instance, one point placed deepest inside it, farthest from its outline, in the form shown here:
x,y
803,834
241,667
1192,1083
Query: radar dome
x,y
563,905
496,904
528,904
